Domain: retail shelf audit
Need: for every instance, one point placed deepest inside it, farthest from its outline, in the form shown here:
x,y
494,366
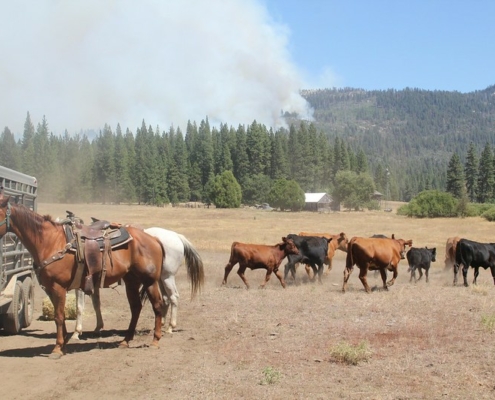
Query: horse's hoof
x,y
123,345
75,336
55,356
154,344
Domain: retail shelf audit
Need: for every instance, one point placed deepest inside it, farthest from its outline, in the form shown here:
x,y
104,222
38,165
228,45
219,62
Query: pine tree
x,y
258,149
104,166
204,152
486,176
28,157
361,162
455,177
240,159
279,161
124,189
471,172
177,178
9,151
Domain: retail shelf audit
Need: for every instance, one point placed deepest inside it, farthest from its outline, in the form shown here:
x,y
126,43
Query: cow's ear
x,y
284,239
393,235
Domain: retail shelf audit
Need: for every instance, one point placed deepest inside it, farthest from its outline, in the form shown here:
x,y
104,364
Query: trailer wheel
x,y
12,321
28,300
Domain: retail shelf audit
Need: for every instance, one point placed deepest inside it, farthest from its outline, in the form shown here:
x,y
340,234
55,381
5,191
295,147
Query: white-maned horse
x,y
177,248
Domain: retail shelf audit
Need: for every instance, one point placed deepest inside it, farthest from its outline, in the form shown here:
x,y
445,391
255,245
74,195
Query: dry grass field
x,y
416,341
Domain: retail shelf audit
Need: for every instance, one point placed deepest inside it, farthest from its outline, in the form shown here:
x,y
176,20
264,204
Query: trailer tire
x,y
28,300
12,321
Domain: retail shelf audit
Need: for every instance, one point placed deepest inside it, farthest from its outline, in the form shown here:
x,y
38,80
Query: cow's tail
x,y
458,261
349,261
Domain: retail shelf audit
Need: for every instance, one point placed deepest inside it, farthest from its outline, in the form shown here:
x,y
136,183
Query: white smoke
x,y
86,63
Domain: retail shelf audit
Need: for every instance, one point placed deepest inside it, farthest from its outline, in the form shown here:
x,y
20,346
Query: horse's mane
x,y
33,221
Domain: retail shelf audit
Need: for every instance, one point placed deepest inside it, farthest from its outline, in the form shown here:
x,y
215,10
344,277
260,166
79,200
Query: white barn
x,y
318,202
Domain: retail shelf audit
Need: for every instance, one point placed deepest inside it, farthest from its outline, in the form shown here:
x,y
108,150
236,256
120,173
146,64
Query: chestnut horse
x,y
178,249
138,263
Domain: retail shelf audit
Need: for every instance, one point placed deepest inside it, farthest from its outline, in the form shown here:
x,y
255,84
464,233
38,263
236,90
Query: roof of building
x,y
313,197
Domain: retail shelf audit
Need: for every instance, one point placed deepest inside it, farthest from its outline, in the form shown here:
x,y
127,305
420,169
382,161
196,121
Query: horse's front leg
x,y
57,296
132,292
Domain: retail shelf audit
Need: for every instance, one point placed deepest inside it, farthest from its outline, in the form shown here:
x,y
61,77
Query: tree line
x,y
151,166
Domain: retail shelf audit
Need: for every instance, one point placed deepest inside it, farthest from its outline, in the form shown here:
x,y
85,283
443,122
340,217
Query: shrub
x,y
430,204
286,194
489,214
346,353
224,191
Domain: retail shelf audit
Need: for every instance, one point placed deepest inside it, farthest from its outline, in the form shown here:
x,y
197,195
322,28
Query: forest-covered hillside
x,y
413,132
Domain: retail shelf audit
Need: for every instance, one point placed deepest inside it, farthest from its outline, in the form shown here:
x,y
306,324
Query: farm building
x,y
318,202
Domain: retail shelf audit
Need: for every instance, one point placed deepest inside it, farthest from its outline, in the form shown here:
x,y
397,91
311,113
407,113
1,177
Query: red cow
x,y
374,254
338,242
450,247
256,256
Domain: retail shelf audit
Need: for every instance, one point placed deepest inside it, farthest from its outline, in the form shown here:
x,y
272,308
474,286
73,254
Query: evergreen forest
x,y
406,141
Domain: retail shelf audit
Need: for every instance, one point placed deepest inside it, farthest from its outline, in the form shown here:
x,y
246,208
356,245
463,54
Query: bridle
x,y
7,217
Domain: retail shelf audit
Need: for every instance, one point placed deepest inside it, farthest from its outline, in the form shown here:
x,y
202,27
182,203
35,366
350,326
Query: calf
x,y
313,250
474,254
338,242
256,256
374,254
418,259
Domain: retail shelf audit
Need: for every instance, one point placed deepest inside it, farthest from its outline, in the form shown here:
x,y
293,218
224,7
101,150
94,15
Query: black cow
x,y
418,259
313,251
474,254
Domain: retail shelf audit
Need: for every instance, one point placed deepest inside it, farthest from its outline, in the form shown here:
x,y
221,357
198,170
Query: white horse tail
x,y
194,264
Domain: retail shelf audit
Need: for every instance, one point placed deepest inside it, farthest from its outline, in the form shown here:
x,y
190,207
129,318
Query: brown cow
x,y
256,256
339,242
450,247
374,254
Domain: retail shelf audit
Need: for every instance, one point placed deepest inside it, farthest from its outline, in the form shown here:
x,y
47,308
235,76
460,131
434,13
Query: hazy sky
x,y
86,63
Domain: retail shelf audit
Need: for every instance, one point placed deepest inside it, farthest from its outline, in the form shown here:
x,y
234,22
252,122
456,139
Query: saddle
x,y
92,243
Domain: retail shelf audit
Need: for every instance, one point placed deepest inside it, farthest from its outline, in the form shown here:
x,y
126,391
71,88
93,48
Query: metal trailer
x,y
17,277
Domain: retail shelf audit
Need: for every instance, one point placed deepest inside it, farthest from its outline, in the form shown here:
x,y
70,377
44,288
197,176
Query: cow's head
x,y
433,253
403,243
342,241
290,246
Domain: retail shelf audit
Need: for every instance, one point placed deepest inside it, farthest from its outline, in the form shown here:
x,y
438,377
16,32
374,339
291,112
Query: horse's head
x,y
4,214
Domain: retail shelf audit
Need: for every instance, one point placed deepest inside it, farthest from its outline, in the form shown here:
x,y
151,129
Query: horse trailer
x,y
17,277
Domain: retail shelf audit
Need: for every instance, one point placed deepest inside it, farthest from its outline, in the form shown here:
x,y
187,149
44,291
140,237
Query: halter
x,y
7,217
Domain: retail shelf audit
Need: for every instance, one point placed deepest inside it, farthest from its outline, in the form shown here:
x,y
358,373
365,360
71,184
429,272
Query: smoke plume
x,y
86,63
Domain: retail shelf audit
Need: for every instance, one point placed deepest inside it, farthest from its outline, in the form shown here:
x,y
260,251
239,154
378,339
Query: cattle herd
x,y
377,253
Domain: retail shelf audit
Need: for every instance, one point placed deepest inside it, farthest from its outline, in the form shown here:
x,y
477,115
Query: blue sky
x,y
378,44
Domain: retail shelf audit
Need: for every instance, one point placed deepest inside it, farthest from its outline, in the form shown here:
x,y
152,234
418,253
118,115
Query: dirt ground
x,y
427,341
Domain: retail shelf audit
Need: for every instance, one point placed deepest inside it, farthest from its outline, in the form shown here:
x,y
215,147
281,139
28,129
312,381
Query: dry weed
x,y
347,353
